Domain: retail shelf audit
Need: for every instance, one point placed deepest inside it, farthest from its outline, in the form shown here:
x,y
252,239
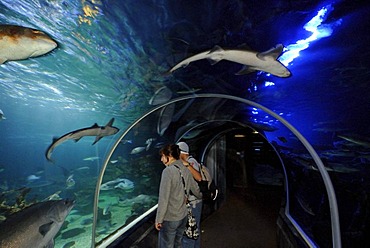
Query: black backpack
x,y
207,186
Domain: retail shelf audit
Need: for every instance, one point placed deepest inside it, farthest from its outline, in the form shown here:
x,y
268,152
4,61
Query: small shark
x,y
94,130
91,158
18,43
35,226
33,178
252,61
122,182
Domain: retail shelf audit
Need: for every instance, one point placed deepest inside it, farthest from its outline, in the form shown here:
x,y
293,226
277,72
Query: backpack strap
x,y
202,172
183,180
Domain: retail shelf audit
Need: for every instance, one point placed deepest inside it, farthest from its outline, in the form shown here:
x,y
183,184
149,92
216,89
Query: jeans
x,y
171,233
197,212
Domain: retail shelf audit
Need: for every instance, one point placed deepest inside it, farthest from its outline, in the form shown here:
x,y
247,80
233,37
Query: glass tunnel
x,y
210,124
91,90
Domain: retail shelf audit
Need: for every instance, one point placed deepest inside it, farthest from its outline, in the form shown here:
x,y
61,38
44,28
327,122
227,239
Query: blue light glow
x,y
318,31
267,83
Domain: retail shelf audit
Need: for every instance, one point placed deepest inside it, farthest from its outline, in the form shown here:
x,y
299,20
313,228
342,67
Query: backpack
x,y
207,186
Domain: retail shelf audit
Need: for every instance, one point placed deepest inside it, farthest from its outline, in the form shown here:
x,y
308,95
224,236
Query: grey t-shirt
x,y
194,163
171,201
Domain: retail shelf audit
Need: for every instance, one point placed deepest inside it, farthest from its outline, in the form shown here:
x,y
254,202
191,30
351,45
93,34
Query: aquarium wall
x,y
91,90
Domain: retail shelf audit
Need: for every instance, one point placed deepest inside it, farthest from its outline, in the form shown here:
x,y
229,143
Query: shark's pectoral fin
x,y
245,70
213,61
44,229
184,65
216,49
76,140
272,53
97,139
2,60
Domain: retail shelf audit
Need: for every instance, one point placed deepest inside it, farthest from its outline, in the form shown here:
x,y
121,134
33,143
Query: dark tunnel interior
x,y
270,95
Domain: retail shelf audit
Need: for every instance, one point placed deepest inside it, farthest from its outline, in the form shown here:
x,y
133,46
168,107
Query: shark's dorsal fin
x,y
216,49
110,123
95,125
44,229
273,52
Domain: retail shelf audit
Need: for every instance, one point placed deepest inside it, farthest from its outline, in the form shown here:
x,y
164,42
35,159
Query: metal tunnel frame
x,y
335,224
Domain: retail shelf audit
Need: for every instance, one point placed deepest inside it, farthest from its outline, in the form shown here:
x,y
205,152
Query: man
x,y
196,203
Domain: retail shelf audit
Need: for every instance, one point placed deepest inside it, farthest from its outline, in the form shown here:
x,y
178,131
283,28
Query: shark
x,y
19,43
252,61
94,130
36,225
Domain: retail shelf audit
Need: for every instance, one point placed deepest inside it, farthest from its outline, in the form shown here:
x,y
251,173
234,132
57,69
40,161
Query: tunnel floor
x,y
246,219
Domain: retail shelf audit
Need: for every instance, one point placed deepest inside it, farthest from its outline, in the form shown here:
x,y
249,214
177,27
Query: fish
x,y
33,178
19,43
126,142
282,139
69,244
82,168
262,125
94,130
149,142
91,159
87,221
70,182
35,226
137,150
106,187
125,185
72,233
111,184
356,139
2,117
188,91
252,61
106,209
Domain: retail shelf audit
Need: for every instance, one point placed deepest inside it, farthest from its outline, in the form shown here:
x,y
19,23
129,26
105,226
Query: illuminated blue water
x,y
111,56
